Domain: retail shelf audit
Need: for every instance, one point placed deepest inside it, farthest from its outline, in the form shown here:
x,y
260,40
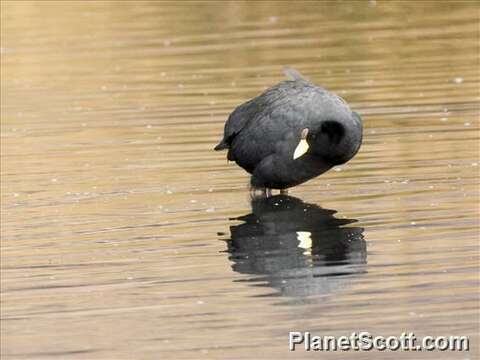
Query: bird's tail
x,y
222,146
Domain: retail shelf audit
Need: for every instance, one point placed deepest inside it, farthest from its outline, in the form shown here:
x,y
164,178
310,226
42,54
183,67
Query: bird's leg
x,y
268,192
284,191
258,193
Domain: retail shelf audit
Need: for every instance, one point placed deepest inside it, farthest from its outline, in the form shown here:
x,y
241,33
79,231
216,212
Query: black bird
x,y
291,133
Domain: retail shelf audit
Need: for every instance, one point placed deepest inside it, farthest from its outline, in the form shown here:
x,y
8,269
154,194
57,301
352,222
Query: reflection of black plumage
x,y
298,247
291,133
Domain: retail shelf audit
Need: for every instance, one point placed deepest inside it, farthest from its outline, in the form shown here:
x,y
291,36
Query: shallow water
x,y
124,236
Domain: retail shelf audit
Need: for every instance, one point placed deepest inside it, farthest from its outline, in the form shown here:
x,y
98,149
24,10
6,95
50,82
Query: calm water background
x,y
124,236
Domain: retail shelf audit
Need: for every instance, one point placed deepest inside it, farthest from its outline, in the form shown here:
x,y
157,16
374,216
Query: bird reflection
x,y
300,248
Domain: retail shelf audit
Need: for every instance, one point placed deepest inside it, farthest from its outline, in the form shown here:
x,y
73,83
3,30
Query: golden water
x,y
120,229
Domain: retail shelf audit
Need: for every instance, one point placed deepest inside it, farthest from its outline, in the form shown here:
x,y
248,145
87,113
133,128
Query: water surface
x,y
124,236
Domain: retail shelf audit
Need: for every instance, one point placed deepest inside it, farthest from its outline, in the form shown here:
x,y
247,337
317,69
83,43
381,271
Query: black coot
x,y
291,133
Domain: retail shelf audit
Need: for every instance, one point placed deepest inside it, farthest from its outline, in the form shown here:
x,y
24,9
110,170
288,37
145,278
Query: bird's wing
x,y
293,74
278,114
246,112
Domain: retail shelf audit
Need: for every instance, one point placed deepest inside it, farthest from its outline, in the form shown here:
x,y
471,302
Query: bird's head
x,y
335,140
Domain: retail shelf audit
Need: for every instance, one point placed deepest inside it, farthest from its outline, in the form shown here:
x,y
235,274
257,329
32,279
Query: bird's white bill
x,y
301,149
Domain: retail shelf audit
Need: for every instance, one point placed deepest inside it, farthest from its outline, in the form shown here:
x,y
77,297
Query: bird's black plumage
x,y
262,134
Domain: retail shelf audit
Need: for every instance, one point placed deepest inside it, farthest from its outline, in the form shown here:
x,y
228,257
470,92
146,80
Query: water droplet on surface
x,y
272,19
